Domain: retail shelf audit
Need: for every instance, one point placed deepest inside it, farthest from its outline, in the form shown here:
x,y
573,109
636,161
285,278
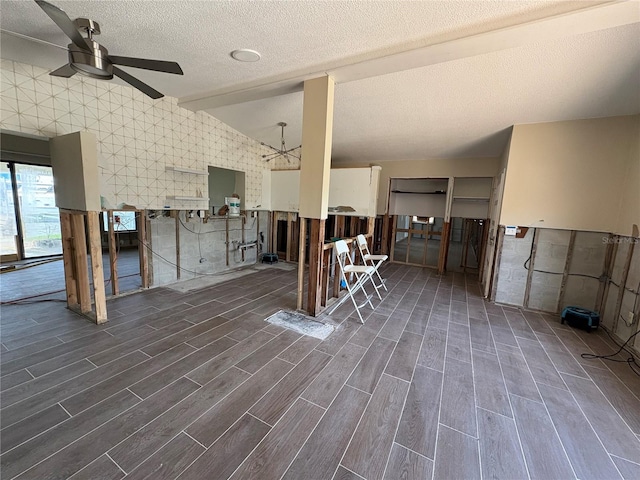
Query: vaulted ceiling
x,y
414,79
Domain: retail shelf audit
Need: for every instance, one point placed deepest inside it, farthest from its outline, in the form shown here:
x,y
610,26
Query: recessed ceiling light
x,y
245,55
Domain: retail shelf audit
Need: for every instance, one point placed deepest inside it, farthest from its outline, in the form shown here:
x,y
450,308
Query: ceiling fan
x,y
88,57
282,151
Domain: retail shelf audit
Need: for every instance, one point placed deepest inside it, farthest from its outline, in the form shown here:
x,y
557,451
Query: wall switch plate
x,y
630,317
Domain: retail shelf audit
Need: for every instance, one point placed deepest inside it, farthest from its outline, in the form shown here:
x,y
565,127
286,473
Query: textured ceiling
x,y
446,108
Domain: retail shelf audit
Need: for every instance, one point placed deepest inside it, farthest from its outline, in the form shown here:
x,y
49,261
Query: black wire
x,y
216,231
176,265
601,278
631,361
630,290
568,274
560,273
29,302
199,244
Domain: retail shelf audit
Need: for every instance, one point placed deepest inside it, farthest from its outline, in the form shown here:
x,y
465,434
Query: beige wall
x,y
576,175
629,212
440,168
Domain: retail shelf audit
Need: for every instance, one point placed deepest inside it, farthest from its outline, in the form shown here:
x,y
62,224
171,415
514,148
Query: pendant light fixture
x,y
282,151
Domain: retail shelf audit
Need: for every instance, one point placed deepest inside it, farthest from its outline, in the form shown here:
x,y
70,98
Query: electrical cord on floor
x,y
31,302
25,300
631,361
24,266
28,300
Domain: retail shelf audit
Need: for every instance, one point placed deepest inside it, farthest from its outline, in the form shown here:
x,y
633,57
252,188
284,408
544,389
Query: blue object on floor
x,y
578,317
269,258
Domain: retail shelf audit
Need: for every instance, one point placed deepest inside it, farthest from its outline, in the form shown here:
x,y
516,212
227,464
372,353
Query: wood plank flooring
x,y
437,384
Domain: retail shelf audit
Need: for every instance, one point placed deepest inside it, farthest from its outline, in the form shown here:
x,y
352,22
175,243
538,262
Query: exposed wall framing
x,y
301,256
622,285
81,244
143,234
559,268
444,247
188,247
323,273
531,268
497,259
76,227
113,261
316,241
143,240
565,272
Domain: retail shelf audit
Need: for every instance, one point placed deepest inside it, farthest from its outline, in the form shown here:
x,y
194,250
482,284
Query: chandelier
x,y
282,151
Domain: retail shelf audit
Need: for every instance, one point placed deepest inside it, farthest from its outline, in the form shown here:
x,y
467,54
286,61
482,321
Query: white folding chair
x,y
369,257
361,272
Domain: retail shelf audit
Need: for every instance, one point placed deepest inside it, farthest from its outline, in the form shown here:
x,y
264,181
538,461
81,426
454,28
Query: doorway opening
x,y
417,240
466,245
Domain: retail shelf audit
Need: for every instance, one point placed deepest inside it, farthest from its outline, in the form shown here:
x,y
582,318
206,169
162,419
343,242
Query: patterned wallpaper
x,y
137,137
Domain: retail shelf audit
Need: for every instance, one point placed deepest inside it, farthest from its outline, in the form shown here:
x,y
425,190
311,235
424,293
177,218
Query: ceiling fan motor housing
x,y
94,63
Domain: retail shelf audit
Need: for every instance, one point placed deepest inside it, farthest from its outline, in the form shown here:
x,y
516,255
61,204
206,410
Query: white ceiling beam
x,y
591,19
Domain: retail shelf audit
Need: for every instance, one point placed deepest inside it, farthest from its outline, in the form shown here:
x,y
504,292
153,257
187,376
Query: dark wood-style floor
x,y
436,384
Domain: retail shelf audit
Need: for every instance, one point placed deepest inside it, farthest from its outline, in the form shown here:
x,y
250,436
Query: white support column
x,y
315,168
317,133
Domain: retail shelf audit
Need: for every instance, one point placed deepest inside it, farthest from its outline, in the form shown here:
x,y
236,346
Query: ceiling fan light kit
x,y
88,57
282,151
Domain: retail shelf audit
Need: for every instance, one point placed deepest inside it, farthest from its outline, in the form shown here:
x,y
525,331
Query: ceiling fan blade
x,y
64,71
64,23
134,82
147,64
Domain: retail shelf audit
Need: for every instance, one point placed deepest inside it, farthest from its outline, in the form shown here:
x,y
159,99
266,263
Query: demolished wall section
x,y
549,269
